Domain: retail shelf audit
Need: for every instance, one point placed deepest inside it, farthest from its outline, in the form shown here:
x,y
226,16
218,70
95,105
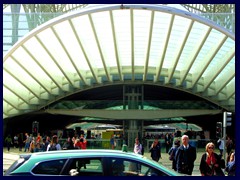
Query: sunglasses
x,y
210,147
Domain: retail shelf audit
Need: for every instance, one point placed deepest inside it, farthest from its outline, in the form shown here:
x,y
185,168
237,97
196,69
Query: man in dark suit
x,y
168,142
185,157
155,150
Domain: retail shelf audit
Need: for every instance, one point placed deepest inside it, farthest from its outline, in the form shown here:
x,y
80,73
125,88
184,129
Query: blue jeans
x,y
27,145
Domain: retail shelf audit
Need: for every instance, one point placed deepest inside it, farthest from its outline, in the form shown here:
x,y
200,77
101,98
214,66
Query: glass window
x,y
125,167
84,167
53,167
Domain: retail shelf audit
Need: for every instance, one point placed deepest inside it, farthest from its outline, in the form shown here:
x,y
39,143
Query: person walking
x,y
39,138
137,150
32,145
8,141
172,153
44,144
220,144
15,141
54,145
231,166
83,142
185,157
27,142
168,142
68,144
137,147
20,141
210,162
229,145
155,150
112,141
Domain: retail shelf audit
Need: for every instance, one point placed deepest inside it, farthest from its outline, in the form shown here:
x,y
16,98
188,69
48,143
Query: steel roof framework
x,y
113,43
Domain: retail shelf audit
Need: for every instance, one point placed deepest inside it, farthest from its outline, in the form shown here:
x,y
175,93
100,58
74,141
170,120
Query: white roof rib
x,y
109,43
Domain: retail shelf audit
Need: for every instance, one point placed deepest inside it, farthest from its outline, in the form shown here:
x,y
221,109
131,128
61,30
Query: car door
x,y
131,167
84,166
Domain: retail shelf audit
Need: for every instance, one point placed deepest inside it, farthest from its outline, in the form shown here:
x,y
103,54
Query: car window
x,y
84,167
53,167
125,167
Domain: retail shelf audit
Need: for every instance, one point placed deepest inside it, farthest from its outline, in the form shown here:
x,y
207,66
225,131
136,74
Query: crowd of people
x,y
212,164
183,155
29,143
190,133
181,152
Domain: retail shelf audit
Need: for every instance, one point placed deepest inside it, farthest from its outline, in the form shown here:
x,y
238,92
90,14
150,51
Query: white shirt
x,y
222,144
137,148
58,147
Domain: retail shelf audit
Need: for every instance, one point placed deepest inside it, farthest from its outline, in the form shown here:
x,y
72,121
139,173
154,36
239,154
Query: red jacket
x,y
83,145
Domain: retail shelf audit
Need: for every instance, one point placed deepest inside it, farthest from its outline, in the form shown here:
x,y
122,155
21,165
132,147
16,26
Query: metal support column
x,y
133,99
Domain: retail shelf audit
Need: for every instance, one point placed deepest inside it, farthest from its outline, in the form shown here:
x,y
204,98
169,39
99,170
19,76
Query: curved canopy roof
x,y
114,43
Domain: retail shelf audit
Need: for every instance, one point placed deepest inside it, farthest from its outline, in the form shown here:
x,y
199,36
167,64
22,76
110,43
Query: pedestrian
x,y
137,147
231,166
44,144
20,141
172,153
112,141
8,141
220,144
83,142
185,156
54,145
77,144
210,164
38,147
27,142
229,145
68,144
15,141
39,138
32,145
155,150
168,142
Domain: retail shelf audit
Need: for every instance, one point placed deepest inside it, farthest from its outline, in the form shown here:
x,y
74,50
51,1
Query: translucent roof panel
x,y
107,43
197,33
141,28
160,28
178,32
122,26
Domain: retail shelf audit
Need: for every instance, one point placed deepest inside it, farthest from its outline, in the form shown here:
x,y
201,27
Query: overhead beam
x,y
133,113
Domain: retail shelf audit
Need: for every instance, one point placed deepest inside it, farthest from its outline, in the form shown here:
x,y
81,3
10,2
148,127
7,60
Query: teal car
x,y
87,163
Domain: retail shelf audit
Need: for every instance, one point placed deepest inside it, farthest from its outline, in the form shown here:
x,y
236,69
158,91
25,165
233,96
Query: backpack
x,y
52,147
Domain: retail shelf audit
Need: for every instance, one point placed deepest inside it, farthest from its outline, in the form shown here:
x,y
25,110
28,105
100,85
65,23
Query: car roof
x,y
72,153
